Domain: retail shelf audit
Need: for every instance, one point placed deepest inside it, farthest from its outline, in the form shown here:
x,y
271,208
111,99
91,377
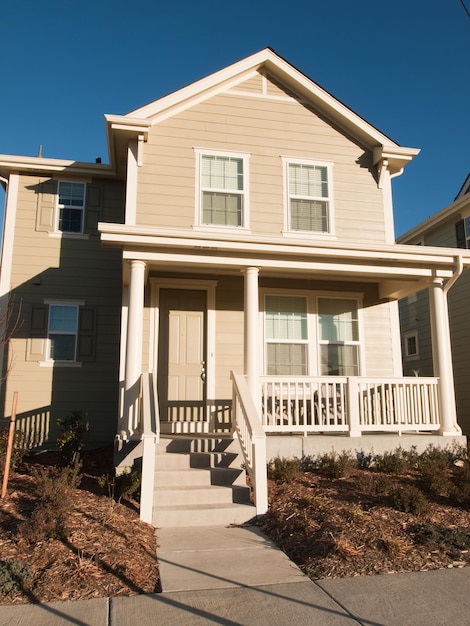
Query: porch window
x,y
223,189
339,336
309,197
286,335
62,332
70,207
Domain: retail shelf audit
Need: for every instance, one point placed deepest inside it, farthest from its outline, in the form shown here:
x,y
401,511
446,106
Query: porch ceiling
x,y
399,270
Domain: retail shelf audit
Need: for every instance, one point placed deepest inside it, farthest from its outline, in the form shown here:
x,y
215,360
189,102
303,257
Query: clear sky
x,y
402,65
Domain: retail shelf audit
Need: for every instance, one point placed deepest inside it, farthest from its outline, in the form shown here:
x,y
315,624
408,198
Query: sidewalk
x,y
236,576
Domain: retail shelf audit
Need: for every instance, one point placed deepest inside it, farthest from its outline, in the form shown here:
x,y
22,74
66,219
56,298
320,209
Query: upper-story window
x,y
223,189
70,207
309,196
462,233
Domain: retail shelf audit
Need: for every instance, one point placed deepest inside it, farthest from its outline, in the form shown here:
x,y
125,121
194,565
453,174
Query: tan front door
x,y
182,363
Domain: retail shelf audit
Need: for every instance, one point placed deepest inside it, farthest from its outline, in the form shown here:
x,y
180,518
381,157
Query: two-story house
x,y
233,269
451,228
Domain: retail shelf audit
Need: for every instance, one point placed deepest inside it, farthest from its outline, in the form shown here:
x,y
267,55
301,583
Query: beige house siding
x,y
267,129
49,267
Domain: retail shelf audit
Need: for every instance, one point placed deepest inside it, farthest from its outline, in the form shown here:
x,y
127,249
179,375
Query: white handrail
x,y
150,437
252,440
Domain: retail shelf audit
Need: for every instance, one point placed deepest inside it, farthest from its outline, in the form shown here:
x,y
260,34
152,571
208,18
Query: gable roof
x,y
266,62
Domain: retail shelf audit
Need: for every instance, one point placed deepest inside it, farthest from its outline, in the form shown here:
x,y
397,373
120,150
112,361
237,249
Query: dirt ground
x,y
331,527
105,550
339,527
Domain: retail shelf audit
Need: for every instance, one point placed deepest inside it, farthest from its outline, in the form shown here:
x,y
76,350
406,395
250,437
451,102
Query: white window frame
x,y
76,306
60,207
199,222
411,334
358,342
287,161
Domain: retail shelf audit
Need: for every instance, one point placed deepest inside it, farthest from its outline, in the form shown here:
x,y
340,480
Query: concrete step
x,y
180,496
197,515
184,476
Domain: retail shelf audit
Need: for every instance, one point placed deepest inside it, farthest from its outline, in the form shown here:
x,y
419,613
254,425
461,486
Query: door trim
x,y
209,286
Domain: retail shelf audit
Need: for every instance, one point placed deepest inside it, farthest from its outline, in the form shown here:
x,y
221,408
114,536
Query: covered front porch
x,y
260,406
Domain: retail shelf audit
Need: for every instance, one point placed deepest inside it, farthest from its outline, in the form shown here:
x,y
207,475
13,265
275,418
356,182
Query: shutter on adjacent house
x,y
37,341
93,206
460,234
86,343
47,200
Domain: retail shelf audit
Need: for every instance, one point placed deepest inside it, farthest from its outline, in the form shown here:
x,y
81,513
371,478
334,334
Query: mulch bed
x,y
105,551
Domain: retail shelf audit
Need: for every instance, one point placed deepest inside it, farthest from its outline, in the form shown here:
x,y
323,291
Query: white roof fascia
x,y
39,164
452,210
320,98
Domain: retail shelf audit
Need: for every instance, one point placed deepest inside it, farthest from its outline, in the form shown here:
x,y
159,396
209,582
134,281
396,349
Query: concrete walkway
x,y
236,576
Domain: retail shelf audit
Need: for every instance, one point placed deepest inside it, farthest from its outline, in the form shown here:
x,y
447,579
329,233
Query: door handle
x,y
203,371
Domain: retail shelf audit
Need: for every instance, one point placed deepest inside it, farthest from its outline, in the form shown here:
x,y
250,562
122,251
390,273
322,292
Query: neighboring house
x,y
451,228
233,267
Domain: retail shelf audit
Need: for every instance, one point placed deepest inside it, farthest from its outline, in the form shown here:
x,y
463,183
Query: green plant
x,y
18,450
436,535
336,465
71,441
398,462
14,575
409,499
54,503
127,484
283,470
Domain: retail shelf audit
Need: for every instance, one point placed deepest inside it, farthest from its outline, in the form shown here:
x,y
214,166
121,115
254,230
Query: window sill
x,y
60,235
60,363
308,234
217,228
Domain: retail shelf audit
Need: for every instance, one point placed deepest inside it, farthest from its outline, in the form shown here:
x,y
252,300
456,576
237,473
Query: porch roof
x,y
399,270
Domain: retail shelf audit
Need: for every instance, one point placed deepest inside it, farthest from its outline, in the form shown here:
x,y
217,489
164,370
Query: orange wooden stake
x,y
11,439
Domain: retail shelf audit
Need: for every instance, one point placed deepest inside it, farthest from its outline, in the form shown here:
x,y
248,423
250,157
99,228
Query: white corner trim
x,y
8,233
131,186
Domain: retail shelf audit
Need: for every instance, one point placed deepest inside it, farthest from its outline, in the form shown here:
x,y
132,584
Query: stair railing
x,y
150,436
252,437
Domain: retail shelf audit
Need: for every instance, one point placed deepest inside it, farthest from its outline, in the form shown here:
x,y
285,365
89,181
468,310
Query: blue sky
x,y
402,66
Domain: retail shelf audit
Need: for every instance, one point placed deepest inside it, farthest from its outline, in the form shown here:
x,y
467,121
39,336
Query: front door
x,y
181,360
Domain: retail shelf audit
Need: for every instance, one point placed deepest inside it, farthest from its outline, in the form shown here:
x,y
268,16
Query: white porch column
x,y
251,333
133,369
442,357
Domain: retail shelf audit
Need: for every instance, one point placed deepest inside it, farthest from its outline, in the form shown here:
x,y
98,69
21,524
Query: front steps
x,y
199,481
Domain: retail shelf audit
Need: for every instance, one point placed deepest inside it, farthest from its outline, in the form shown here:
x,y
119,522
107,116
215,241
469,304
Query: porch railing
x,y
252,439
351,405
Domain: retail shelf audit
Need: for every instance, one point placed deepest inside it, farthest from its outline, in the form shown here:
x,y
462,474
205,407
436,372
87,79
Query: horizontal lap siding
x,y
378,341
460,335
52,268
267,128
229,334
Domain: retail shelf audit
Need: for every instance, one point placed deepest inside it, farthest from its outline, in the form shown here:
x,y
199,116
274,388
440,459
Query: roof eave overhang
x,y
399,270
11,164
453,210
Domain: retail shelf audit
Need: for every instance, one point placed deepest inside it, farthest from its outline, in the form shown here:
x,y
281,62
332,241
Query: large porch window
x,y
286,335
338,332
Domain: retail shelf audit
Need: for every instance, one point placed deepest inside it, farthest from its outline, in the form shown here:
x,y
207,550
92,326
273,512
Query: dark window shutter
x,y
86,344
37,340
47,199
460,234
93,207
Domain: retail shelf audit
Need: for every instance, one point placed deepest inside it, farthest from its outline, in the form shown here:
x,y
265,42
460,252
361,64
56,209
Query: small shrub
x,y
71,441
409,499
126,484
283,470
397,462
459,491
375,484
336,465
53,505
435,535
14,575
18,450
